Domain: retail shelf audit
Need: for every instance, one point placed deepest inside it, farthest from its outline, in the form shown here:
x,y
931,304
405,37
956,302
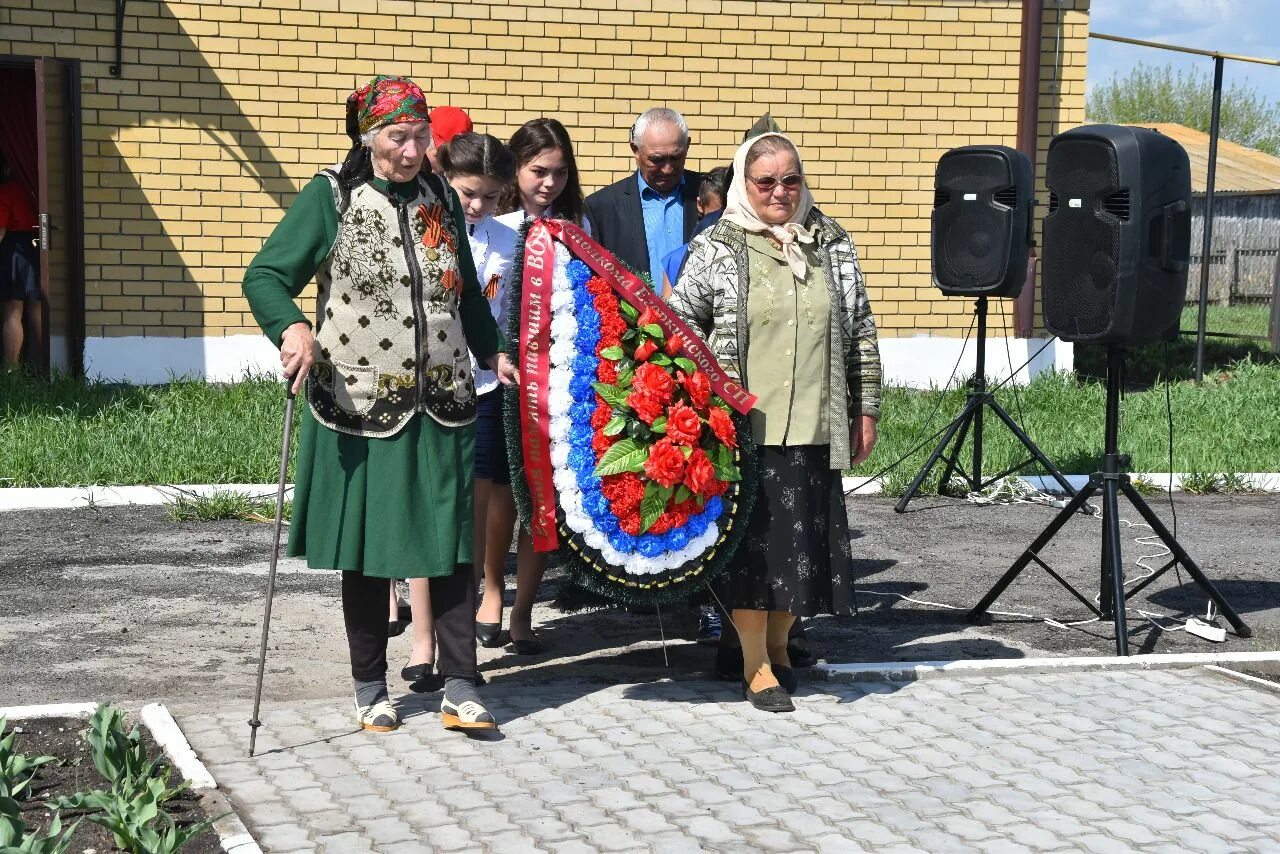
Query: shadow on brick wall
x,y
182,188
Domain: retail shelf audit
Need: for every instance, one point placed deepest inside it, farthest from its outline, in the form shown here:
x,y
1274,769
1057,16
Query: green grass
x,y
67,432
224,504
1230,424
1228,319
72,433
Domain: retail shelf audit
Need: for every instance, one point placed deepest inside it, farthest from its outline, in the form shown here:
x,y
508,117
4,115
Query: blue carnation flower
x,y
608,525
597,505
622,541
579,273
678,538
580,458
713,509
650,546
580,388
697,525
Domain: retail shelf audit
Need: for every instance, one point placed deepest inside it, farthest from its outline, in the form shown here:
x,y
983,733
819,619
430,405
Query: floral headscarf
x,y
791,233
385,101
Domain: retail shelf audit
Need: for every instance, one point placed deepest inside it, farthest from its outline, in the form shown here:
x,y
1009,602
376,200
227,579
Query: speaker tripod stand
x,y
971,418
1112,481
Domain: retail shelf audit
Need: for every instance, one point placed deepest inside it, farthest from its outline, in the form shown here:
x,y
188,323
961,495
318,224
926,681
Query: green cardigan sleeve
x,y
483,337
289,259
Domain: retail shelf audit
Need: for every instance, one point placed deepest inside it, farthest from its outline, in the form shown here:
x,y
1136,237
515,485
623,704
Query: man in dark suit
x,y
654,209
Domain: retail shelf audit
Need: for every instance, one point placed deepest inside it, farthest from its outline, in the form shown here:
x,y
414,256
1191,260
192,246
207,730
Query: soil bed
x,y
74,772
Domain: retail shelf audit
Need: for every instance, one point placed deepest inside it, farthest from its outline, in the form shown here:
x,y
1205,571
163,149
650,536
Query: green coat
x,y
395,507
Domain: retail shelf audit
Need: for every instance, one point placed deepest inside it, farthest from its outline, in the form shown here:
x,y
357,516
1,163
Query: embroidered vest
x,y
388,324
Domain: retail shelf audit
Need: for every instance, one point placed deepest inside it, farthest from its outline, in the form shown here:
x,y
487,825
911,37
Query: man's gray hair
x,y
657,116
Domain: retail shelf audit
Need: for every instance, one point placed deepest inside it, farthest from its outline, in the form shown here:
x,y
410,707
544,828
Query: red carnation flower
x,y
683,425
698,472
722,426
698,387
646,349
597,286
630,523
716,487
648,407
653,380
607,372
601,417
665,464
664,523
624,491
601,443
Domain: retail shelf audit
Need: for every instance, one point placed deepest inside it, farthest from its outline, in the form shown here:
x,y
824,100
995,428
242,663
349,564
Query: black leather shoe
x,y
421,678
527,646
771,699
490,635
800,655
729,663
786,677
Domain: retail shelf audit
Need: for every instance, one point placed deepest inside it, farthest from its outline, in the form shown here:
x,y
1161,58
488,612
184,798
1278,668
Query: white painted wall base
x,y
158,360
927,361
919,362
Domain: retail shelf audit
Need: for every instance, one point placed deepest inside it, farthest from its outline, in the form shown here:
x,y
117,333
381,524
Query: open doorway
x,y
41,213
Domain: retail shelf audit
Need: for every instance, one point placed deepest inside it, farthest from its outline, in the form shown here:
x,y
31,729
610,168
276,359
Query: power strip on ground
x,y
1209,632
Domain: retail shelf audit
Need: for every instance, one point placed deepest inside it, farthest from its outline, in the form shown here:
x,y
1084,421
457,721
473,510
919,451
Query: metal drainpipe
x,y
1028,129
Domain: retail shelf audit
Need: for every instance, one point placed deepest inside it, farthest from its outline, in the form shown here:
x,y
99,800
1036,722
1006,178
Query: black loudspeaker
x,y
981,223
1117,237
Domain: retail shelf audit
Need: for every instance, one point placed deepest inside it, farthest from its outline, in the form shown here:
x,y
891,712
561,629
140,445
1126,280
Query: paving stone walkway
x,y
1163,760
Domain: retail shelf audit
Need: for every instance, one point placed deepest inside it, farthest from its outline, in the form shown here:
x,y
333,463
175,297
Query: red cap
x,y
448,122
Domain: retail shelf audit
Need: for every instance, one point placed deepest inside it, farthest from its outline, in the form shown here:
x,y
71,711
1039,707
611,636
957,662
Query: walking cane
x,y
254,723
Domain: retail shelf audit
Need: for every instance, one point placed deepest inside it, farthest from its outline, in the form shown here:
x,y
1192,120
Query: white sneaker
x,y
380,717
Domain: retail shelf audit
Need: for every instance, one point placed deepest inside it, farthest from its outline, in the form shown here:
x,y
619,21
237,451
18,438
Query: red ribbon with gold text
x,y
633,289
535,367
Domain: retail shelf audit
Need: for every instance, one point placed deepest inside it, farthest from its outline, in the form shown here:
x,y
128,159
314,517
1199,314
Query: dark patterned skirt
x,y
796,555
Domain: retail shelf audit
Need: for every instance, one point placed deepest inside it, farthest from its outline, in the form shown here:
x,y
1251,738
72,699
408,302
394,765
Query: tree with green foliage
x,y
1160,94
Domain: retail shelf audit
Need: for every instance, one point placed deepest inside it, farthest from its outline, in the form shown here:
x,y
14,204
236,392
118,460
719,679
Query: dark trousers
x,y
453,604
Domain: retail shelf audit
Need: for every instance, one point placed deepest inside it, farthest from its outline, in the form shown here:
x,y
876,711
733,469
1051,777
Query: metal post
x,y
1208,216
979,388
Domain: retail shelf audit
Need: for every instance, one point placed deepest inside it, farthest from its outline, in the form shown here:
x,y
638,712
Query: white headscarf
x,y
790,234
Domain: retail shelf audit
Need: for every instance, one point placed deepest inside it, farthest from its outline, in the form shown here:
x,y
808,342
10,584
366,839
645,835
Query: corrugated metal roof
x,y
1240,169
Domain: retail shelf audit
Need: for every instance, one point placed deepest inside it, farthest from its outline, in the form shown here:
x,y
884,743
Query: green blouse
x,y
788,360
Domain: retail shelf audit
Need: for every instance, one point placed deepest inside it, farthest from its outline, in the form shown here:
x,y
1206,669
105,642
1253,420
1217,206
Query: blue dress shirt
x,y
663,225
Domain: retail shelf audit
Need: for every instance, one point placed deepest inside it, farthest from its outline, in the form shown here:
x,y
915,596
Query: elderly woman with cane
x,y
776,289
383,476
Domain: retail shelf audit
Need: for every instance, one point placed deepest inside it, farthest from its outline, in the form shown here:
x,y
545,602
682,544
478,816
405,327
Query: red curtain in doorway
x,y
18,126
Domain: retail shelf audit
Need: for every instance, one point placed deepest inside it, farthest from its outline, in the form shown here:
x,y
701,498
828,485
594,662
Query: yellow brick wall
x,y
226,107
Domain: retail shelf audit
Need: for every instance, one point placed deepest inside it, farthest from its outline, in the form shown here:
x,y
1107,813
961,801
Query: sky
x,y
1247,27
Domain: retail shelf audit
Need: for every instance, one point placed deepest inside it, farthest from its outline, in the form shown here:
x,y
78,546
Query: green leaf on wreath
x,y
612,395
688,452
613,353
682,494
659,424
729,473
653,504
629,311
686,365
626,455
625,376
655,330
630,334
615,426
660,359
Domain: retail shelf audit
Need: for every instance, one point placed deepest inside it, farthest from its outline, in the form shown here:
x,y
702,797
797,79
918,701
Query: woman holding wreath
x,y
384,467
776,290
